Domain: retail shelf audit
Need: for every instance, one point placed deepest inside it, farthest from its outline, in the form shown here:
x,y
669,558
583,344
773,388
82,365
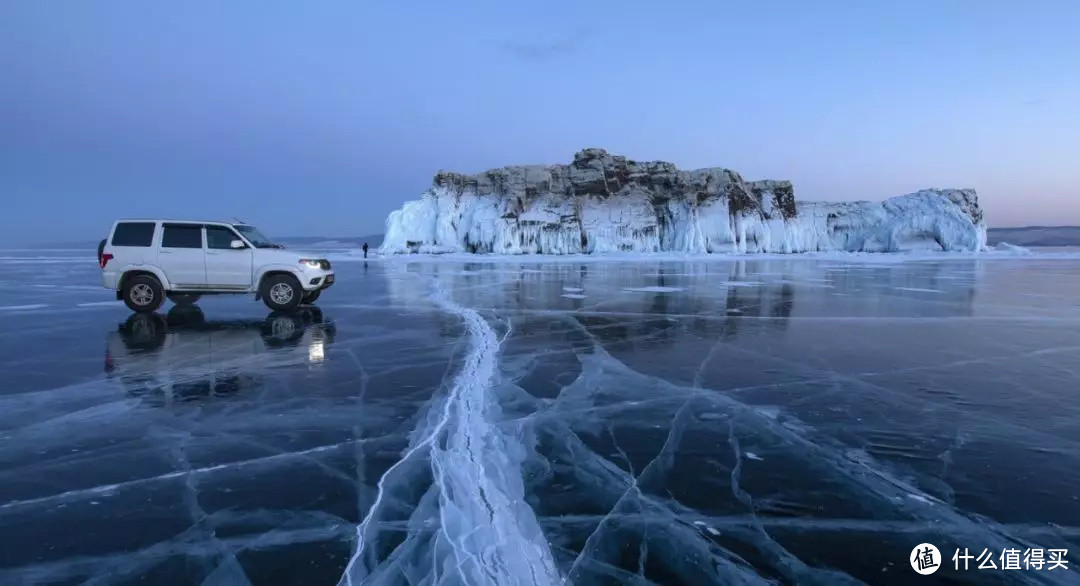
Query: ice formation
x,y
606,203
488,534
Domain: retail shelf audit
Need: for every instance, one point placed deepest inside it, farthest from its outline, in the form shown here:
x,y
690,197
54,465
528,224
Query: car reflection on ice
x,y
182,357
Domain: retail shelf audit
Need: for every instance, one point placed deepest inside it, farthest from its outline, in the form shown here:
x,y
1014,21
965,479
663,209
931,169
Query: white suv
x,y
146,260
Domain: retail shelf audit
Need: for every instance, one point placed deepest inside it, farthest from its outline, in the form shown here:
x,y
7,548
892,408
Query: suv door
x,y
227,267
181,255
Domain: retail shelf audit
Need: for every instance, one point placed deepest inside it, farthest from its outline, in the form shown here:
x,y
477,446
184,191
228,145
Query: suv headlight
x,y
313,263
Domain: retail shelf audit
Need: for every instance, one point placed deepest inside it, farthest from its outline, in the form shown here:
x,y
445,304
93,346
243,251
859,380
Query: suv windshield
x,y
257,239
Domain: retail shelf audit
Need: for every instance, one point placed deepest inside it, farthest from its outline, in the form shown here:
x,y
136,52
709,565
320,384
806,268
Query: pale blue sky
x,y
321,117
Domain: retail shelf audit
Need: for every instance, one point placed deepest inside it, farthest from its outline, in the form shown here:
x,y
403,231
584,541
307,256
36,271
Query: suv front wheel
x,y
282,293
143,293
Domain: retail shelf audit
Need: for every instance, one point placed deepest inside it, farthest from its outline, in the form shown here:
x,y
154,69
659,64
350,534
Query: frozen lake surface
x,y
791,420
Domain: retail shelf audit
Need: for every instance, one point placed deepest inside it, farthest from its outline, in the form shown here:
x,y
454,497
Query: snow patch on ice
x,y
772,412
740,284
867,259
920,498
1005,247
652,289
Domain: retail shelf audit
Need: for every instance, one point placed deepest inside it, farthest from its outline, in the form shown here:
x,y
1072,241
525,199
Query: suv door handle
x,y
165,252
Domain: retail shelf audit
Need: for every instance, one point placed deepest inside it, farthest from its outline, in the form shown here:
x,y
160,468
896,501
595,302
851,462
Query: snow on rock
x,y
1010,248
607,203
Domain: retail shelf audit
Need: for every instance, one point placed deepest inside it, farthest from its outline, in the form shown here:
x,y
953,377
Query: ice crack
x,y
487,533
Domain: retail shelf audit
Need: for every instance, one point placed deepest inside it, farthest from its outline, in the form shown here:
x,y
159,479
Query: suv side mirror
x,y
237,244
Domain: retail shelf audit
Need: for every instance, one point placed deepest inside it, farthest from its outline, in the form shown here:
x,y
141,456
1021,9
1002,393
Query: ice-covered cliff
x,y
606,203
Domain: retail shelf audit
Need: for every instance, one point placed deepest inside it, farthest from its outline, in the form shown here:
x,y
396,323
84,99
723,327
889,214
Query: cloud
x,y
544,50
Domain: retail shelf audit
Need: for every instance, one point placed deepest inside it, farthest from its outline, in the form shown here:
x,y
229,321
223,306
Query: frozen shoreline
x,y
873,257
349,255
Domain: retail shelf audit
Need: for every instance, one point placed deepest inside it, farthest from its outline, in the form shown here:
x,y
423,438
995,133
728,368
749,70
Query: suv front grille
x,y
324,264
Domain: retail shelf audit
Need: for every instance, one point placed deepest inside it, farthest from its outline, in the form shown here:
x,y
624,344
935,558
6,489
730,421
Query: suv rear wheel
x,y
143,293
143,331
282,293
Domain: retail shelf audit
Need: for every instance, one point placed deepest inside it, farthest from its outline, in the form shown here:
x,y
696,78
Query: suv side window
x,y
133,234
219,237
182,236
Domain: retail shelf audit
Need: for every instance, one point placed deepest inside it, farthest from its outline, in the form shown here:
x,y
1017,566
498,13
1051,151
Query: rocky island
x,y
608,203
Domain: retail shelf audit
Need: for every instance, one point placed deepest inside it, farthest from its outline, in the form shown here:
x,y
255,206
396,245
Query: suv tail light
x,y
104,259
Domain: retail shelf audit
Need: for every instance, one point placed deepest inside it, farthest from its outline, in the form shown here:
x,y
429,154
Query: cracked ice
x,y
496,422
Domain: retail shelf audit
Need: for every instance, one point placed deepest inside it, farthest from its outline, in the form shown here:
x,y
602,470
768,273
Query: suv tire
x,y
143,331
184,298
143,293
310,297
282,329
282,293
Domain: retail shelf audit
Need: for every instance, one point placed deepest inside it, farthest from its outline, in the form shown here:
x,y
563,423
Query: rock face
x,y
607,203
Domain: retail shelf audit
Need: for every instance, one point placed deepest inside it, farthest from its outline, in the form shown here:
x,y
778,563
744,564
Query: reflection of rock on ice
x,y
680,286
737,288
182,357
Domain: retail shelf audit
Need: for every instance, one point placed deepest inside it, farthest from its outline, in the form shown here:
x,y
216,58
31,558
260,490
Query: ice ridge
x,y
484,531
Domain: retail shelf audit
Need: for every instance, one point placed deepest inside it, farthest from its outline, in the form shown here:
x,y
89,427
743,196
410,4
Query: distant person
x,y
365,250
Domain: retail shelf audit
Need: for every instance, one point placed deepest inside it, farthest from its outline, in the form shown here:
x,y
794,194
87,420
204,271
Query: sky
x,y
319,118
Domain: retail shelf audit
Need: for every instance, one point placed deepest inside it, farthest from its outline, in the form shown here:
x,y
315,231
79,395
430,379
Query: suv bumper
x,y
318,282
109,279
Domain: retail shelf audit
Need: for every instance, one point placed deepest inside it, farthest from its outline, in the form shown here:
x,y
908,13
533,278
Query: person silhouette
x,y
365,250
